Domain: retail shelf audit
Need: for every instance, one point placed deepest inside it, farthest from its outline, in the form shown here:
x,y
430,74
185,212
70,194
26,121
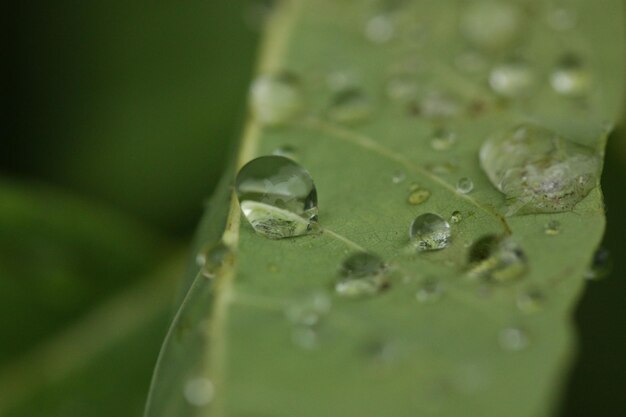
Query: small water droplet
x,y
530,300
379,29
276,99
552,228
456,217
601,265
287,151
398,177
211,258
349,106
401,87
464,185
362,273
277,196
537,170
491,24
512,79
496,258
429,232
430,290
570,78
199,391
305,338
418,196
442,140
513,339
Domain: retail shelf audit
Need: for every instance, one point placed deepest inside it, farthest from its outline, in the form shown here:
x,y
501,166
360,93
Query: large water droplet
x,y
512,79
429,232
349,106
513,339
537,170
211,258
491,24
362,273
496,258
277,196
276,99
199,391
465,185
570,78
601,265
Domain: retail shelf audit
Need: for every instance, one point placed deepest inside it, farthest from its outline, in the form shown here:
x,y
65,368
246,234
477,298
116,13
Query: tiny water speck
x,y
512,79
456,217
513,339
276,98
199,391
496,259
552,228
601,265
430,232
362,273
464,185
350,106
570,78
277,196
418,196
442,140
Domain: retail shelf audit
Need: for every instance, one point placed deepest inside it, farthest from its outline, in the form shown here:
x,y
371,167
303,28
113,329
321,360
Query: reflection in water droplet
x,y
530,300
199,391
361,274
287,151
552,228
496,259
442,140
430,290
418,196
401,87
537,170
491,24
398,177
429,232
601,265
570,78
513,339
379,29
512,79
456,217
464,185
277,196
211,258
349,106
276,99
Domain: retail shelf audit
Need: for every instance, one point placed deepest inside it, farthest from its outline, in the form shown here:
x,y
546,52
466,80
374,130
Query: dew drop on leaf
x,y
429,232
496,259
464,185
513,339
398,177
491,25
552,228
601,265
350,106
418,196
211,258
456,217
442,140
199,391
362,273
570,78
277,196
512,79
277,98
537,170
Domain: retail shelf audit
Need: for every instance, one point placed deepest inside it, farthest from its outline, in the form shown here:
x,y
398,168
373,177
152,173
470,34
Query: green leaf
x,y
480,349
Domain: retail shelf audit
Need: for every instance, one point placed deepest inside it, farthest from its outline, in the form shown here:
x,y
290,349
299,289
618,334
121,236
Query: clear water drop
x,y
530,300
601,265
512,79
570,78
398,177
492,25
199,391
212,257
350,106
464,185
442,140
277,196
552,228
418,196
379,29
361,274
456,217
276,98
430,290
496,259
430,232
537,170
287,151
513,339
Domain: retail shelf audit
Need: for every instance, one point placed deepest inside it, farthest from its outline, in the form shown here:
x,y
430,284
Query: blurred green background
x,y
120,117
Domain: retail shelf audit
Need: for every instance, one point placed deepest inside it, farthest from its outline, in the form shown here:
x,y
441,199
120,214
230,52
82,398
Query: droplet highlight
x,y
570,78
276,98
430,232
512,79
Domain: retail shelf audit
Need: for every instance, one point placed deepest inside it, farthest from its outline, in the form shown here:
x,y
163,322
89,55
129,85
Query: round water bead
x,y
429,232
362,273
277,196
512,79
496,259
456,217
276,98
464,185
570,78
349,106
491,24
538,170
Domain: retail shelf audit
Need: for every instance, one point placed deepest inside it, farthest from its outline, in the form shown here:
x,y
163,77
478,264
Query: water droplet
x,y
277,196
379,29
350,106
309,311
211,258
512,79
496,258
464,185
418,196
361,274
442,140
552,228
570,78
398,177
401,87
199,391
456,217
601,265
562,19
537,170
276,99
438,105
430,290
287,151
513,339
492,25
429,232
530,300
305,337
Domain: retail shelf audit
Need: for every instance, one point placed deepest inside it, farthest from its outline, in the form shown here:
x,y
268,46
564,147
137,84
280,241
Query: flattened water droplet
x,y
570,78
418,196
277,196
211,258
512,79
456,217
277,98
552,228
430,290
199,391
362,273
496,259
442,140
601,265
530,300
287,151
349,106
537,170
513,339
379,29
429,232
464,185
492,25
